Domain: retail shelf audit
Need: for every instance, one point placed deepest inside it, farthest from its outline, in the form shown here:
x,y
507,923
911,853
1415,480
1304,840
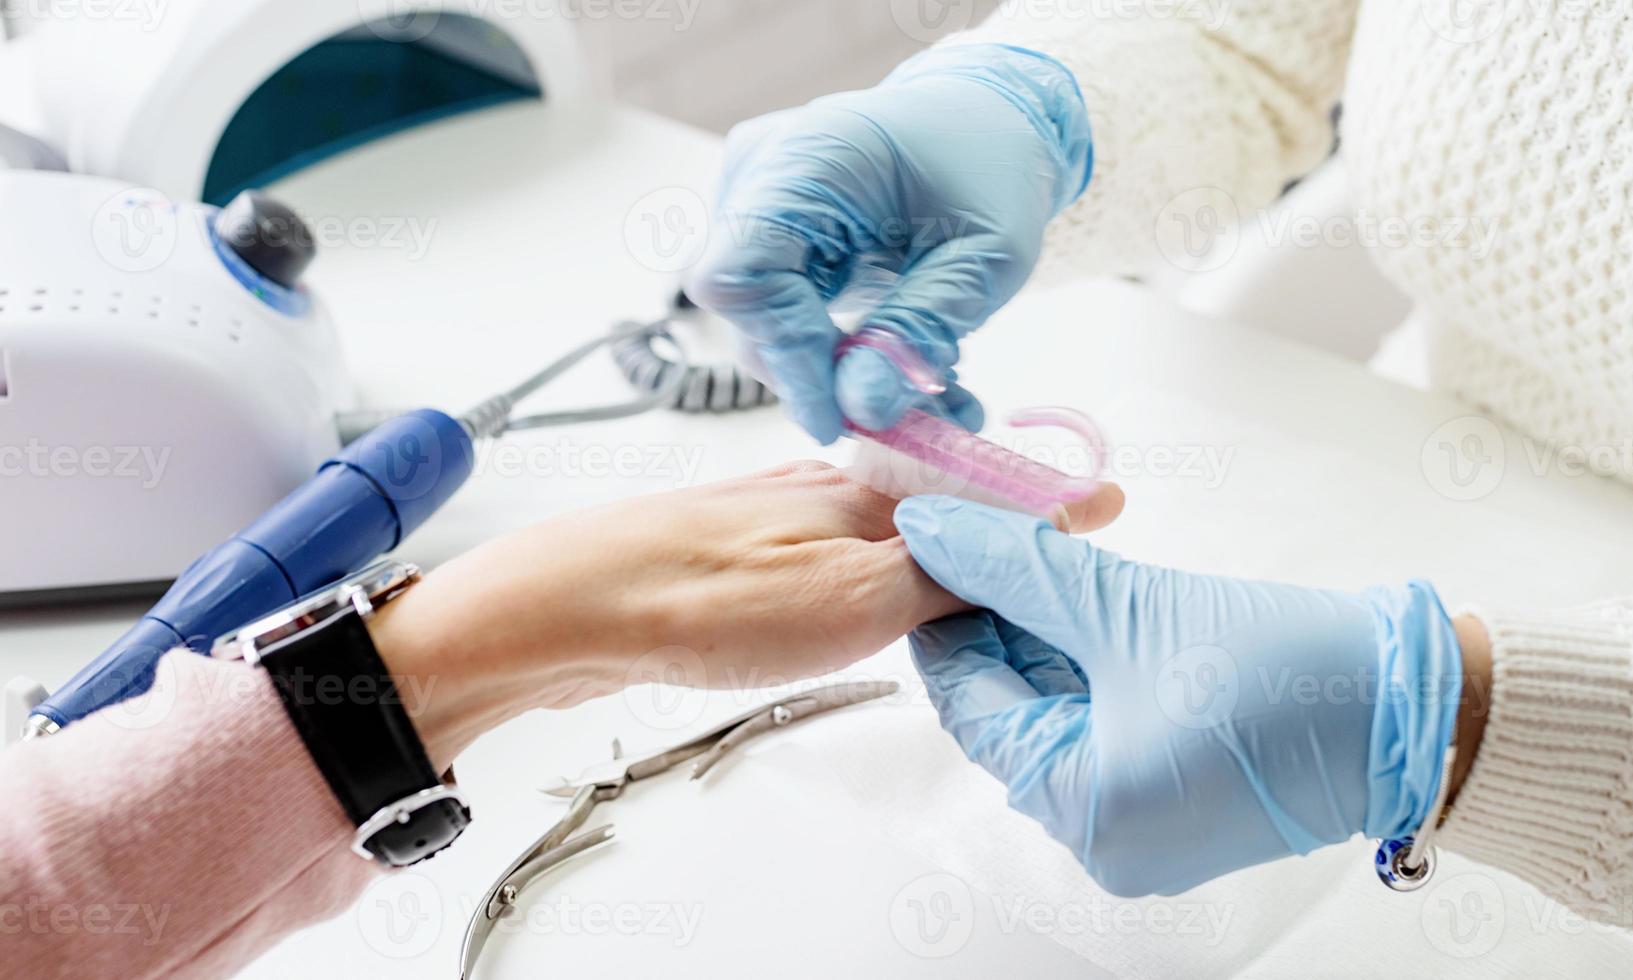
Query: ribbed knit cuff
x,y
1550,796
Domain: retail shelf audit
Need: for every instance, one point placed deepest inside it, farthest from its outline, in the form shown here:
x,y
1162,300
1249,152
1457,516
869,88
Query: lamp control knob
x,y
268,235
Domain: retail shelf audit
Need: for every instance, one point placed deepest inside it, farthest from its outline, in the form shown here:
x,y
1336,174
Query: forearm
x,y
1198,112
177,835
185,832
1549,780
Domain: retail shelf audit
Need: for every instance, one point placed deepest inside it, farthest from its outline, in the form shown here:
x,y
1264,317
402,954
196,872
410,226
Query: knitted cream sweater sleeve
x,y
1198,109
1207,104
1550,797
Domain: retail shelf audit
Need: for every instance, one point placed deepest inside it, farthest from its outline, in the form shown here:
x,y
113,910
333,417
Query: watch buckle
x,y
400,812
359,601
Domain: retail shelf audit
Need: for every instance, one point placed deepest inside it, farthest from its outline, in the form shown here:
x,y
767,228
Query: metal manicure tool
x,y
607,781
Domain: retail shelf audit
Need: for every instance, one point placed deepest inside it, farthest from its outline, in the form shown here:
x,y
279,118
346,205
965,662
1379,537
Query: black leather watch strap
x,y
346,708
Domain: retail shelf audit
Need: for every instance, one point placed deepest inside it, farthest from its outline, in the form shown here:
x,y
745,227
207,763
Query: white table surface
x,y
1320,473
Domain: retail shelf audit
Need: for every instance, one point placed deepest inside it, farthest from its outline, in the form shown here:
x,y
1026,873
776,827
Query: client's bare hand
x,y
769,578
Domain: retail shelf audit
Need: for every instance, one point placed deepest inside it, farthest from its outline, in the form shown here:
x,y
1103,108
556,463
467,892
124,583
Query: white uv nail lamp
x,y
153,397
203,98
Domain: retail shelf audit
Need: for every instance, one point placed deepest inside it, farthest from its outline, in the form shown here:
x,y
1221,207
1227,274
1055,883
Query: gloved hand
x,y
1170,727
935,186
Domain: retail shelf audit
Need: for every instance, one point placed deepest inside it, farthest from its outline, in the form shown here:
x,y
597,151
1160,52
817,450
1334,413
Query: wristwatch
x,y
321,659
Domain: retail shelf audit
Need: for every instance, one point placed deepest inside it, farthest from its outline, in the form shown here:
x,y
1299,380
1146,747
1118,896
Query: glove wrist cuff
x,y
1420,686
1039,86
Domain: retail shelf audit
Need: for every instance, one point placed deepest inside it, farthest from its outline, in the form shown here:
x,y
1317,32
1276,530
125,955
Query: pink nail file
x,y
925,454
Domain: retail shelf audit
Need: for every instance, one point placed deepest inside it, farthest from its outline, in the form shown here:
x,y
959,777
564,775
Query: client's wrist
x,y
466,657
1475,702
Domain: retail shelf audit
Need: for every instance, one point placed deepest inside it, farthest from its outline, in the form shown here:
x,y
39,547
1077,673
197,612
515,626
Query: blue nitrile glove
x,y
1170,727
934,187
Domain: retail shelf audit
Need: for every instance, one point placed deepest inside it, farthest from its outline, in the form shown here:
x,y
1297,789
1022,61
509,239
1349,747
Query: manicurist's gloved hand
x,y
937,185
1170,727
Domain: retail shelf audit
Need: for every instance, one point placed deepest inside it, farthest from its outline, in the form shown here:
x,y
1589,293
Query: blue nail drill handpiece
x,y
360,505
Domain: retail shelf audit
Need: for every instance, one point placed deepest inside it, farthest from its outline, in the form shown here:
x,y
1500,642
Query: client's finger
x,y
817,501
899,586
1092,514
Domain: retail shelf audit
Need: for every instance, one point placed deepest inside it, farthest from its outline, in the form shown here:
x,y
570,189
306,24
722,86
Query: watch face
x,y
375,585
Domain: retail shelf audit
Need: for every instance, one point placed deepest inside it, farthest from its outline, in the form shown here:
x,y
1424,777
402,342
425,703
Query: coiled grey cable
x,y
660,380
492,418
715,388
